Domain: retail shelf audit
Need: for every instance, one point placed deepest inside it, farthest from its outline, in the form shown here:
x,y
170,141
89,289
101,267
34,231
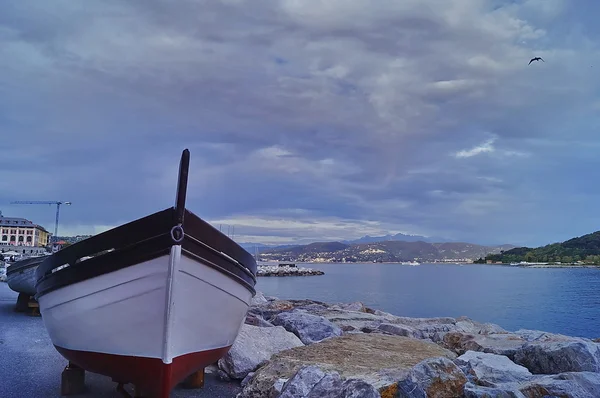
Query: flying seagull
x,y
535,59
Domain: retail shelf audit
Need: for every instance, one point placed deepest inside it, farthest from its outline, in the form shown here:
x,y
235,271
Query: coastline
x,y
307,348
449,263
324,348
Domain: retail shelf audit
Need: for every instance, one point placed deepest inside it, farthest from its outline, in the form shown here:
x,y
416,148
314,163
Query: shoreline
x,y
449,263
372,353
327,348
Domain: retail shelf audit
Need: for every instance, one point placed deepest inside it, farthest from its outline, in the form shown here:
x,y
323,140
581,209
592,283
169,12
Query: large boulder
x,y
433,377
253,346
489,370
502,344
258,299
376,359
308,327
311,382
539,352
549,353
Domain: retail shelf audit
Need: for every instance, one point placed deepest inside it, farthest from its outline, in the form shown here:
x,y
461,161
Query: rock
x,y
353,388
256,320
300,384
550,353
433,377
246,379
489,370
311,382
223,376
352,319
400,330
275,270
473,391
269,310
309,328
356,306
502,344
551,357
213,368
466,325
570,384
253,346
329,386
258,299
376,359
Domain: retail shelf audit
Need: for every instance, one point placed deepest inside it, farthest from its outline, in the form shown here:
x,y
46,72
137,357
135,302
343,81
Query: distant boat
x,y
413,263
166,297
20,275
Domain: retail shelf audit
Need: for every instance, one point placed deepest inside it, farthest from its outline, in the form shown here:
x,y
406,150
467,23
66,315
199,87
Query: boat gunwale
x,y
143,240
24,264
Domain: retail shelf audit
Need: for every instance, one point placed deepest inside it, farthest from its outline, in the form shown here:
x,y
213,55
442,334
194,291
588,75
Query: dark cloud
x,y
306,120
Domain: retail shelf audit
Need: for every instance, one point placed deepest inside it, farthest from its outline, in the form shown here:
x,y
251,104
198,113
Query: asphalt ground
x,y
30,367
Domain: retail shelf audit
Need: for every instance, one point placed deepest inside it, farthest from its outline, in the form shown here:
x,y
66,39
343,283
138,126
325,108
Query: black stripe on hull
x,y
143,240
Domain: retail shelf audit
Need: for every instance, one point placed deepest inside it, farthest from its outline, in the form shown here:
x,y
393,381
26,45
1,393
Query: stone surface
x,y
275,270
489,370
253,346
474,391
352,349
568,385
561,355
433,378
256,320
308,327
259,298
378,360
301,384
400,330
330,386
503,344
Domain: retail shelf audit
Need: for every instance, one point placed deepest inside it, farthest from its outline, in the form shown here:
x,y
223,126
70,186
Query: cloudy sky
x,y
306,120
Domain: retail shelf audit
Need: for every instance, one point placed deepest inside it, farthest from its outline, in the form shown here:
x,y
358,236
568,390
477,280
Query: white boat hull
x,y
23,280
207,310
149,302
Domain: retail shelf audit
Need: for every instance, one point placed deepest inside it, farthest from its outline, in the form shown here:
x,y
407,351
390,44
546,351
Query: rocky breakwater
x,y
310,349
275,270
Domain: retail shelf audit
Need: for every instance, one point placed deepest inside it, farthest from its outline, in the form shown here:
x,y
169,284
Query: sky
x,y
306,120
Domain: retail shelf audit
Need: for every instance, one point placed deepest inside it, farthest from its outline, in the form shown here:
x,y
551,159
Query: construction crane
x,y
43,202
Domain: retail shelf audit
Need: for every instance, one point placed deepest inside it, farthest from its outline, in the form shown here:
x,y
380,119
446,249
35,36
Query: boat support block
x,y
72,380
195,380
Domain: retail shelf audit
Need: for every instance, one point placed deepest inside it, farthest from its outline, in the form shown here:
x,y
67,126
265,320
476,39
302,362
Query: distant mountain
x,y
259,247
399,236
386,251
585,248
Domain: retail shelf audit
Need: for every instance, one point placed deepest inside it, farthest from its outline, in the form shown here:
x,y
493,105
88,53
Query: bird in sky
x,y
535,59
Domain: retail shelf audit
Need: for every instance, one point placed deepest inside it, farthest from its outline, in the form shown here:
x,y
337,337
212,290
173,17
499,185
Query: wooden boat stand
x,y
73,382
26,303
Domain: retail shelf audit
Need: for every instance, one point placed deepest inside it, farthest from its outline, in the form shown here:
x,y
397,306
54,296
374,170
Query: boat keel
x,y
150,377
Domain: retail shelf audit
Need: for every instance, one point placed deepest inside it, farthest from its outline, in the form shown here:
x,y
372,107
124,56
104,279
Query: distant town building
x,y
16,231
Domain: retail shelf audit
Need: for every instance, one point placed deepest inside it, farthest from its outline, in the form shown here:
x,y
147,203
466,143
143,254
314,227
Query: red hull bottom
x,y
151,376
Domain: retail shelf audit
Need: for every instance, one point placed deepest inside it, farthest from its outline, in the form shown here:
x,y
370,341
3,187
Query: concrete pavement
x,y
30,367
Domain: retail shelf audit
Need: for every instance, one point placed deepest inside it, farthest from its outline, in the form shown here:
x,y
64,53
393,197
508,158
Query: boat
x,y
155,300
20,275
413,263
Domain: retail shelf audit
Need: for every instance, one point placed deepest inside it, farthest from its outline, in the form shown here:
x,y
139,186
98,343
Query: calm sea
x,y
557,300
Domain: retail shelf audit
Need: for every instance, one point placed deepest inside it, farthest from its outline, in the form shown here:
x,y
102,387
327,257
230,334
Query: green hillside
x,y
585,248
